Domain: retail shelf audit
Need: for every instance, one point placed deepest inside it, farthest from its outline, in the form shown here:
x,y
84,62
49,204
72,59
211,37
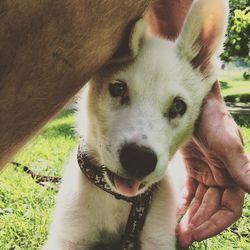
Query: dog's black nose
x,y
137,161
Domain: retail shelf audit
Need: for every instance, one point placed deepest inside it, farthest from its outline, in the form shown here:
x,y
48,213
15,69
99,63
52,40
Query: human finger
x,y
184,228
191,187
229,211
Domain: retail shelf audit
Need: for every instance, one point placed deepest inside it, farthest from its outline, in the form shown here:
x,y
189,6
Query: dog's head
x,y
137,114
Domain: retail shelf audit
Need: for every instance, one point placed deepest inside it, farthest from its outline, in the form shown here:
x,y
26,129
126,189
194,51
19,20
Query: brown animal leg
x,y
48,50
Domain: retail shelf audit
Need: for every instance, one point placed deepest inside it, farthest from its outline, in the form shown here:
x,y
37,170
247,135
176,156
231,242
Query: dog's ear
x,y
131,45
203,32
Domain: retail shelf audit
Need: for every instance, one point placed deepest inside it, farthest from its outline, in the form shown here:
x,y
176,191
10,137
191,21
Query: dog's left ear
x,y
203,32
131,46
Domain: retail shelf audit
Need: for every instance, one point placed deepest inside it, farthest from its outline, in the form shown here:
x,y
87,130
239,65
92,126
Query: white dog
x,y
133,117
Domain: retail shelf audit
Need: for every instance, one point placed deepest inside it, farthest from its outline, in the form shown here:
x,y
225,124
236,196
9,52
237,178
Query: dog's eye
x,y
117,88
178,108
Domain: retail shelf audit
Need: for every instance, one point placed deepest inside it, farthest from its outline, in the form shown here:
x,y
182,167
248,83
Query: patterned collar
x,y
139,204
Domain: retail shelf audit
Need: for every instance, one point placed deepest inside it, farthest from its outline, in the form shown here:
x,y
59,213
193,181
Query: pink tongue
x,y
127,187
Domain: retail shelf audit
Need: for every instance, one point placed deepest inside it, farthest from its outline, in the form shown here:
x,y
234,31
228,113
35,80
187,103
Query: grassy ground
x,y
233,83
25,207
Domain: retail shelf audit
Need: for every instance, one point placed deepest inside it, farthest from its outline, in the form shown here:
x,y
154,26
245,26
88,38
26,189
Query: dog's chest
x,y
111,241
106,222
105,219
106,241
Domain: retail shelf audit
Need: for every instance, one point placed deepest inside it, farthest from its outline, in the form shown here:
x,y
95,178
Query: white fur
x,y
161,72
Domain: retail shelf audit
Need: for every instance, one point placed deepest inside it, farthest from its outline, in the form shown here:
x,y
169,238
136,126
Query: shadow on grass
x,y
224,85
64,114
242,119
63,129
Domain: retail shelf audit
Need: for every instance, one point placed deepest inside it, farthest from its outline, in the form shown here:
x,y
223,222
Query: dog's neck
x,y
139,207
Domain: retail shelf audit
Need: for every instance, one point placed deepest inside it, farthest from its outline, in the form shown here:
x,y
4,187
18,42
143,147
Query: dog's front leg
x,y
159,229
70,222
54,244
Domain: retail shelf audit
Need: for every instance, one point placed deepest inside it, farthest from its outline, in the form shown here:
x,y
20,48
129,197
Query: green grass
x,y
25,207
245,131
233,82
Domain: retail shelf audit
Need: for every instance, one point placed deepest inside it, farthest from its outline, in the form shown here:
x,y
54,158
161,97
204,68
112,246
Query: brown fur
x,y
47,52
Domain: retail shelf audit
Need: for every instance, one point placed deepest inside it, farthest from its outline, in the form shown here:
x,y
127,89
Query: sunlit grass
x,y
25,207
233,82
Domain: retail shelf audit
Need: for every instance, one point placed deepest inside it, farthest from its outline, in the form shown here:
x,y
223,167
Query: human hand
x,y
218,169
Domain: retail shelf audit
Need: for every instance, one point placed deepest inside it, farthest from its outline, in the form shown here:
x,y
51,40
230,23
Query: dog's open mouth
x,y
128,187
